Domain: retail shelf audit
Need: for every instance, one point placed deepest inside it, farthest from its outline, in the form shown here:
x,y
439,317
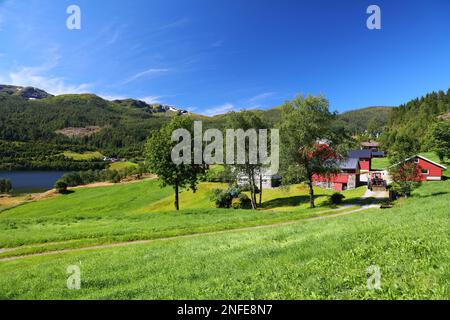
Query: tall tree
x,y
307,141
158,154
249,122
404,172
441,139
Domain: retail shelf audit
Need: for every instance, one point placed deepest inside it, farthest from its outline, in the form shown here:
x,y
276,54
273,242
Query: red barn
x,y
347,179
430,170
364,156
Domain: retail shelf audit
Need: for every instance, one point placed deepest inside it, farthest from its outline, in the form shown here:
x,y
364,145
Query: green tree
x,y
441,139
61,186
405,177
248,120
404,172
305,122
158,153
405,146
374,128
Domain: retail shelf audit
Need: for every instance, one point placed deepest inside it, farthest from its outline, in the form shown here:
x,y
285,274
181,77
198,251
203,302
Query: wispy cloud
x,y
40,76
146,73
227,107
112,97
35,77
175,24
261,96
218,43
152,99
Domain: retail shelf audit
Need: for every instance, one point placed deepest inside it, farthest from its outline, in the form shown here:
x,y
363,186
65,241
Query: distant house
x,y
378,154
269,180
347,179
364,156
429,170
370,145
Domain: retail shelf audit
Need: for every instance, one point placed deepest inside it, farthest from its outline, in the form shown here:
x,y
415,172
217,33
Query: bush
x,y
61,187
224,198
336,198
5,186
242,202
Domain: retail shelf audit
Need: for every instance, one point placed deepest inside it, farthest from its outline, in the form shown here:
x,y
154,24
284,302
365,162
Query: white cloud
x,y
35,77
146,73
227,107
152,99
175,24
112,97
261,96
218,43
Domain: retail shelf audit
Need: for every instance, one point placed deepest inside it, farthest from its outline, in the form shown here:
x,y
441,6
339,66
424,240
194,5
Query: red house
x,y
347,179
430,170
365,158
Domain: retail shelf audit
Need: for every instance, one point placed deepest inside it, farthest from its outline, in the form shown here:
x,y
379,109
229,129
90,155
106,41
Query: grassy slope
x,y
122,165
88,155
136,211
308,260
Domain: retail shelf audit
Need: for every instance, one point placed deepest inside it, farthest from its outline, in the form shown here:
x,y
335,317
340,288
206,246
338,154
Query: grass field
x,y
380,163
89,155
142,210
122,165
308,260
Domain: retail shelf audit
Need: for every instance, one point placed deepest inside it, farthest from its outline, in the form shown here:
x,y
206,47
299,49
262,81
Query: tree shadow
x,y
64,193
286,202
434,194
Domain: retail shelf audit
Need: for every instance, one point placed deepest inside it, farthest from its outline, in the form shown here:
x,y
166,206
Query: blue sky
x,y
214,56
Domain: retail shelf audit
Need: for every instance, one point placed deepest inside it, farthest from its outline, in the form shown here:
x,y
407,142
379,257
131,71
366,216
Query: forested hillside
x,y
415,119
371,119
36,128
29,137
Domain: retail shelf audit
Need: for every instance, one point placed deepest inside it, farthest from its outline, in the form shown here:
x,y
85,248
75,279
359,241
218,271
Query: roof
x,y
360,154
349,164
370,144
378,154
423,158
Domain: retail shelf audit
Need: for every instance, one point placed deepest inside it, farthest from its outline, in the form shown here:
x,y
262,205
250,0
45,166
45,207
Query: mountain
x,y
154,107
37,127
24,92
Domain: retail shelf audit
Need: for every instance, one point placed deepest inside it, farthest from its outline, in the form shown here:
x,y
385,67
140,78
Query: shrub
x,y
242,202
61,186
5,186
224,198
336,198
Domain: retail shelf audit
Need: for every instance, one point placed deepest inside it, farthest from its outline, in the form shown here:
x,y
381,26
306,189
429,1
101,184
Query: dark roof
x,y
378,154
349,164
370,144
360,154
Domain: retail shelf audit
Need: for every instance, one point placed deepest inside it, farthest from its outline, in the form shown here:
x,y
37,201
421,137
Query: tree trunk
x,y
251,179
177,200
260,190
311,195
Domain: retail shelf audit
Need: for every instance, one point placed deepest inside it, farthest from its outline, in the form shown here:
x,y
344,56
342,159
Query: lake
x,y
32,181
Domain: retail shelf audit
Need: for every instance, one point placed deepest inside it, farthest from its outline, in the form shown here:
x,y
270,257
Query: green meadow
x,y
88,155
319,259
141,211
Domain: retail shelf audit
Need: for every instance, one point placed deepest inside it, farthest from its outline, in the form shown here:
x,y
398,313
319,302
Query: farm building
x,y
269,180
370,145
347,179
364,157
429,170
